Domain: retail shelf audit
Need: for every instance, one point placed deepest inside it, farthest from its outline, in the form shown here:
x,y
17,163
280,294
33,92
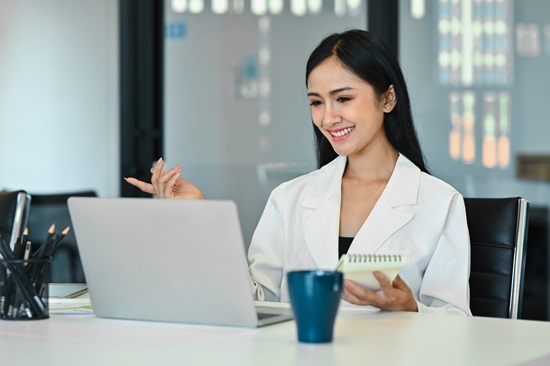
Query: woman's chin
x,y
342,152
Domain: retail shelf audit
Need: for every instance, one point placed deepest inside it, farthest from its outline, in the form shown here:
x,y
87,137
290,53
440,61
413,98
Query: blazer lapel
x,y
321,214
393,209
321,211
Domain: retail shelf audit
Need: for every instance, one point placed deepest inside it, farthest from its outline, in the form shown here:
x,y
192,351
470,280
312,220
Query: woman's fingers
x,y
160,179
383,280
409,303
400,284
145,187
155,178
169,180
394,295
166,184
355,294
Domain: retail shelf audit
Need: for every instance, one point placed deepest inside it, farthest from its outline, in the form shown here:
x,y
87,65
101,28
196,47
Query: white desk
x,y
381,338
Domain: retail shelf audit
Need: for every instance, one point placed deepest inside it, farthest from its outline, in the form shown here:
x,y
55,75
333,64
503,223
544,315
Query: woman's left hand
x,y
394,295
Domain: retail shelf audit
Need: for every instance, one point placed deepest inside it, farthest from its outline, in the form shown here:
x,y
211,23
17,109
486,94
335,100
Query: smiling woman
x,y
365,61
351,117
371,193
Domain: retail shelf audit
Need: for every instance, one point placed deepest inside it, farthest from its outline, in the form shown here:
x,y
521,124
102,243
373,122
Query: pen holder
x,y
24,286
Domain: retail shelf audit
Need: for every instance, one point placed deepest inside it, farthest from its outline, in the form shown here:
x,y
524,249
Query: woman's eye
x,y
314,103
343,99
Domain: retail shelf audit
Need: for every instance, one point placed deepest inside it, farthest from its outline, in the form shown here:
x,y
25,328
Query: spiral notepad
x,y
359,267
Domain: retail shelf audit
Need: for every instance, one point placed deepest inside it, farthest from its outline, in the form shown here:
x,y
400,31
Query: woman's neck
x,y
376,165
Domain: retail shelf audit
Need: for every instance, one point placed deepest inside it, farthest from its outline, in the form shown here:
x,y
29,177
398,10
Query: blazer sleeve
x,y
445,286
265,254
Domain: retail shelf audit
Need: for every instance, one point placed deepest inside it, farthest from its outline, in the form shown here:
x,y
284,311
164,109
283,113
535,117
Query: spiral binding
x,y
373,258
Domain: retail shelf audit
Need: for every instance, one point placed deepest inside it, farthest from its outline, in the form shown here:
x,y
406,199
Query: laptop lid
x,y
165,260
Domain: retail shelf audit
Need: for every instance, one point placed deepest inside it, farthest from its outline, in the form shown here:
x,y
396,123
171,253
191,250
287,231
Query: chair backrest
x,y
498,235
14,209
48,209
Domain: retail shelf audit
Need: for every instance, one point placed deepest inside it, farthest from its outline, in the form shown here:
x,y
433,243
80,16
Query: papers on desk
x,y
67,290
69,298
59,305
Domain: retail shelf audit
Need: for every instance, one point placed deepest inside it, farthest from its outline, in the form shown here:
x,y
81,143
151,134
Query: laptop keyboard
x,y
262,316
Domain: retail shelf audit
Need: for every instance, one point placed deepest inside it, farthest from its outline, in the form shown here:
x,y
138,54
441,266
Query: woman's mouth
x,y
341,134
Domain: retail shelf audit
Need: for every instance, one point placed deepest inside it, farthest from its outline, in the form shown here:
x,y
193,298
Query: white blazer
x,y
416,213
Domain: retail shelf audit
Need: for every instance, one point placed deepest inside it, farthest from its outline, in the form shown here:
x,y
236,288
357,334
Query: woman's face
x,y
347,110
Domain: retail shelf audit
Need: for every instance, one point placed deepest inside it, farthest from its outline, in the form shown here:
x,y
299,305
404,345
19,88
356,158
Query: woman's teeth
x,y
343,132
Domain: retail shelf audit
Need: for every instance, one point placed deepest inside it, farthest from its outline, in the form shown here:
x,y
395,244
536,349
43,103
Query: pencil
x,y
57,240
44,248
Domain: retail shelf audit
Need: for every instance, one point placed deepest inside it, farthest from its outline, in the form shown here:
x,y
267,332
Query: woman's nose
x,y
331,116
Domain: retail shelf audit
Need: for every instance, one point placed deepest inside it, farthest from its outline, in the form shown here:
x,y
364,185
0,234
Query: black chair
x,y
14,209
498,235
48,209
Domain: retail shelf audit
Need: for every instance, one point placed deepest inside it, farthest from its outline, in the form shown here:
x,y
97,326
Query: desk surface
x,y
376,338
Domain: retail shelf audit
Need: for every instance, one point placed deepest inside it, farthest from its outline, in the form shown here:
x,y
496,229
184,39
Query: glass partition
x,y
477,72
236,110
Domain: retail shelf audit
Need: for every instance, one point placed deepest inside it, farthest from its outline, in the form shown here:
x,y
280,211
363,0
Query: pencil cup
x,y
24,286
314,298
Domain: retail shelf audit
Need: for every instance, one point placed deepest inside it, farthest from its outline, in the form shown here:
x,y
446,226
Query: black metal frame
x,y
141,89
383,19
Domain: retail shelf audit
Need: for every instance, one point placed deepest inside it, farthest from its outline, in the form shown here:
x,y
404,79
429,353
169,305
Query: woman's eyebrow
x,y
332,92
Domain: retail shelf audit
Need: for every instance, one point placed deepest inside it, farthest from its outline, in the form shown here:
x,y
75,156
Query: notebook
x,y
167,260
359,267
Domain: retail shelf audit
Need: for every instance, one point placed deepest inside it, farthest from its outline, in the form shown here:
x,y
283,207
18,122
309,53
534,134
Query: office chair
x,y
498,235
14,209
48,209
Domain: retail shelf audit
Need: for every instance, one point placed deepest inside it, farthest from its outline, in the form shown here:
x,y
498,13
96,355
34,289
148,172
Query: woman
x,y
371,193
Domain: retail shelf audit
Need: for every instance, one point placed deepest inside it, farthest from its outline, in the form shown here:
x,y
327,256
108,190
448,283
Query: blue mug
x,y
315,298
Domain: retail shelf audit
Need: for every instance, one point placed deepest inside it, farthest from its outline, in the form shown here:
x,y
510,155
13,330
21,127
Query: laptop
x,y
167,260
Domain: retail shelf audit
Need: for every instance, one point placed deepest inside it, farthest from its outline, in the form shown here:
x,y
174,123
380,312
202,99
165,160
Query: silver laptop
x,y
167,260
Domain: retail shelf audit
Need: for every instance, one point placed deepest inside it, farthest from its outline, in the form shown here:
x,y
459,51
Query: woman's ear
x,y
390,99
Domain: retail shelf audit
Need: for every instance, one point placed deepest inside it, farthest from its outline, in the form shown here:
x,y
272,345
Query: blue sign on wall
x,y
175,30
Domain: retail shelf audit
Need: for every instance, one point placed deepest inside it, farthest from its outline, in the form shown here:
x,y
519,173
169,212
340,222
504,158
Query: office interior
x,y
94,90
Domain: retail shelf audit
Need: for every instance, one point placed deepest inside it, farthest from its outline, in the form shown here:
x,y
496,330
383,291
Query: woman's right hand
x,y
167,184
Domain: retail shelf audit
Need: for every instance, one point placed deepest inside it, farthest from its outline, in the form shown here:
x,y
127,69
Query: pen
x,y
77,293
4,248
27,253
19,246
25,236
28,247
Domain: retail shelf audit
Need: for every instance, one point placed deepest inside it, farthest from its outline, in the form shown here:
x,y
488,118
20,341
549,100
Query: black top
x,y
343,245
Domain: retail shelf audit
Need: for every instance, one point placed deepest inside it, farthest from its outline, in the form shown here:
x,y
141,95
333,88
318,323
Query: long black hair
x,y
368,57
